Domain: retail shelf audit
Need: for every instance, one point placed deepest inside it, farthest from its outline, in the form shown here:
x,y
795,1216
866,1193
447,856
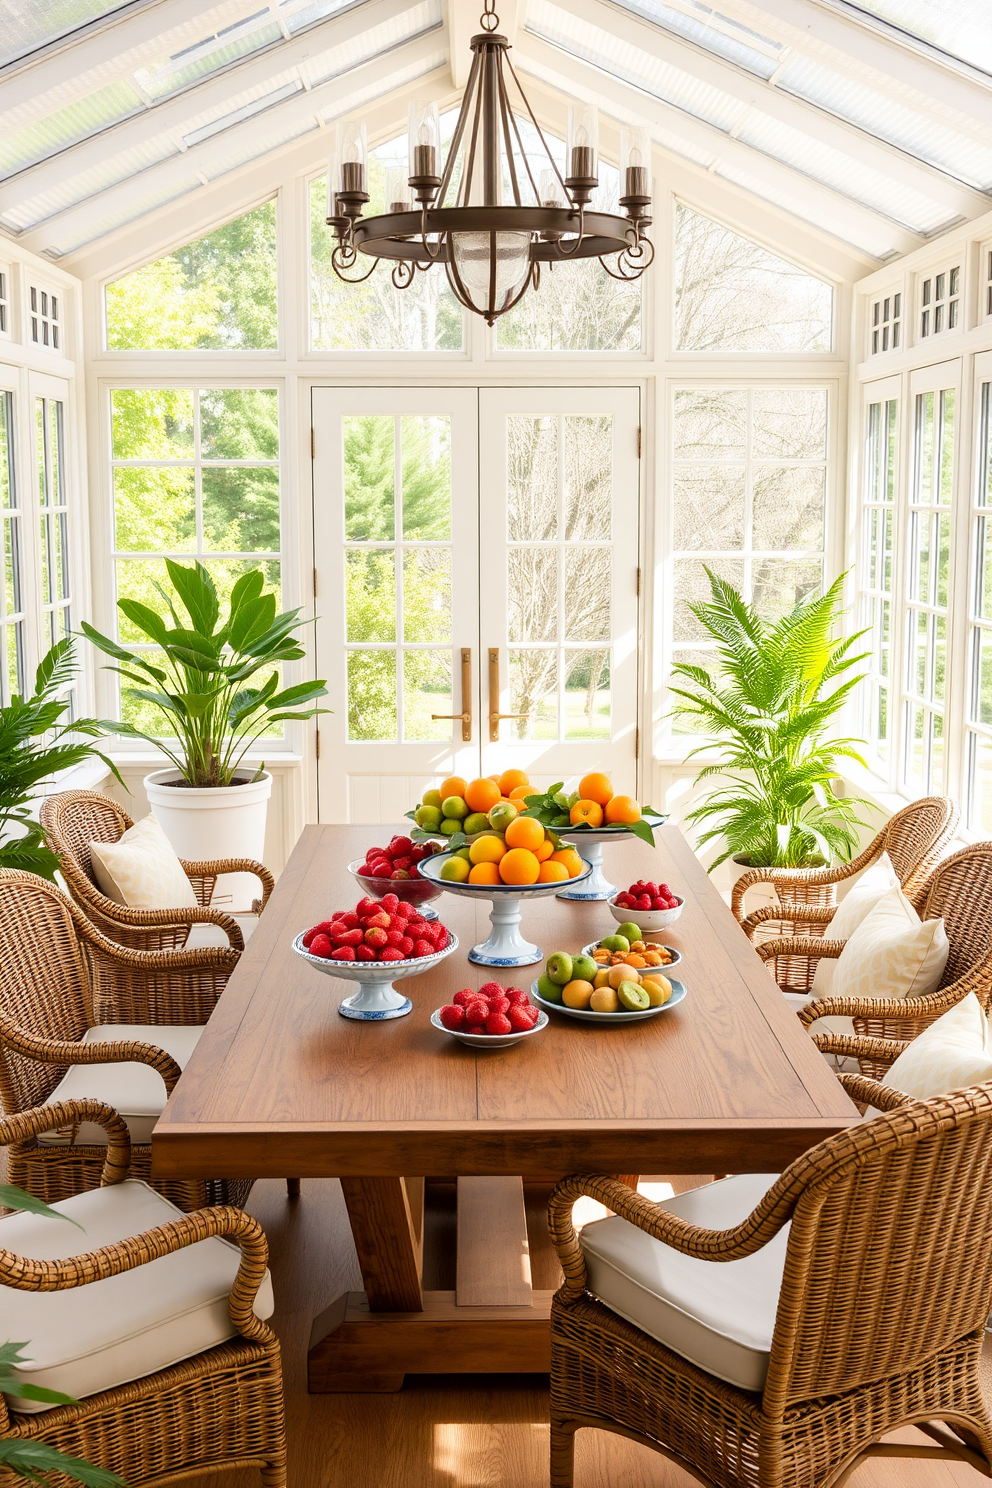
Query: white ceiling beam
x,y
378,71
954,198
816,203
178,222
173,115
817,27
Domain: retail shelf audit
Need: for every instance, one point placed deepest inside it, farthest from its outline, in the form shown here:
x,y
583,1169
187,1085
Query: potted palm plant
x,y
215,681
768,705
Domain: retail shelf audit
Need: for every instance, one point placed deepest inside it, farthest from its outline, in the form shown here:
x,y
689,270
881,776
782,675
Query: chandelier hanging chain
x,y
491,242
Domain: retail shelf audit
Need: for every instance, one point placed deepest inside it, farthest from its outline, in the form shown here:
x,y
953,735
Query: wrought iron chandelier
x,y
491,242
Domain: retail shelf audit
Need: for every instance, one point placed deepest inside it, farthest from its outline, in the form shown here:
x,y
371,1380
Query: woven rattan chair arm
x,y
232,865
204,958
916,1009
149,919
64,1051
815,946
804,914
860,1046
786,878
28,1275
17,1128
872,1093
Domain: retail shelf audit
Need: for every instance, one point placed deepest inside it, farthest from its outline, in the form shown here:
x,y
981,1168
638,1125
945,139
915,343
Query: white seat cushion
x,y
142,869
135,1090
865,892
215,935
719,1315
96,1337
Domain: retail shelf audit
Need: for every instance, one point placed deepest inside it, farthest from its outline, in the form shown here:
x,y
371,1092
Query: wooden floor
x,y
441,1431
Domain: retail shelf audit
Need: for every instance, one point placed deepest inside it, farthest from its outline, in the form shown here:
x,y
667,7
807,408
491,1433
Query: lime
x,y
454,807
454,870
633,997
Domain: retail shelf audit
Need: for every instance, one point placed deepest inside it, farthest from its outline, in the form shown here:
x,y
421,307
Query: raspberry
x,y
376,938
517,996
520,1020
498,1023
344,953
390,954
442,940
390,903
321,946
422,948
348,938
413,871
452,1017
364,953
464,997
400,847
393,938
407,946
490,989
476,1013
403,861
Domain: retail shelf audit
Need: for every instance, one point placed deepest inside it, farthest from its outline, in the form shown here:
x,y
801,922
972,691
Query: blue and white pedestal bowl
x,y
505,945
376,999
589,845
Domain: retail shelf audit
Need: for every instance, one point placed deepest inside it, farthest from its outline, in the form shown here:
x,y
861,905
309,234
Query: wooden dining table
x,y
281,1085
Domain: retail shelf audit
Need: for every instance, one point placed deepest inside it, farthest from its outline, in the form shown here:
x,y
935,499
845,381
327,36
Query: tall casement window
x,y
929,557
875,568
978,734
53,517
12,616
195,475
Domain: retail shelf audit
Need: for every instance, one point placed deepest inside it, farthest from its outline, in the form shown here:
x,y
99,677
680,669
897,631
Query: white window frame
x,y
886,331
870,596
936,300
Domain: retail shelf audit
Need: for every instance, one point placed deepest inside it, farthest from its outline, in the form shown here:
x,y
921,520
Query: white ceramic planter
x,y
226,821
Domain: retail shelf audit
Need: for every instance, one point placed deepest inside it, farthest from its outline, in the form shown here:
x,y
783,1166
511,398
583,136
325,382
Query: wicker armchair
x,y
59,979
871,1308
807,897
74,819
220,1408
960,892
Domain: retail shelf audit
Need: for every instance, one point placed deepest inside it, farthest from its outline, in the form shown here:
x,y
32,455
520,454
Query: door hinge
x,y
318,743
638,441
637,742
638,583
313,444
315,584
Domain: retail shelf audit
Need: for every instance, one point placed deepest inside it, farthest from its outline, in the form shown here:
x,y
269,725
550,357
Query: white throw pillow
x,y
868,888
953,1052
892,953
142,869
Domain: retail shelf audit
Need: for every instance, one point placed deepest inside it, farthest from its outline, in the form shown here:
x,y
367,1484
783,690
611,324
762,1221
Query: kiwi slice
x,y
633,997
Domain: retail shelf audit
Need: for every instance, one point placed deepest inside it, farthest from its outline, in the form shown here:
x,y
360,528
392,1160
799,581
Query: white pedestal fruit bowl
x,y
505,945
376,999
588,842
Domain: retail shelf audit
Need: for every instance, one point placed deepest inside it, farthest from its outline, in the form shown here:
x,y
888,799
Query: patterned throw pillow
x,y
953,1052
865,892
142,869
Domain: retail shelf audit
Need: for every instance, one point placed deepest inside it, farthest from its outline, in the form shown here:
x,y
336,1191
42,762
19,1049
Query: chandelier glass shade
x,y
482,215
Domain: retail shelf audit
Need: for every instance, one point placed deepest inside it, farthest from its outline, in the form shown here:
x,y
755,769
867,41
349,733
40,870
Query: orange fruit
x,y
488,849
480,795
595,787
545,850
552,872
511,779
573,863
524,831
586,813
520,793
494,778
484,873
622,809
454,786
519,866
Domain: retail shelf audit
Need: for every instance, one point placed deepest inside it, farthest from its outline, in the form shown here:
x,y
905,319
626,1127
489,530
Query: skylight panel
x,y
960,155
20,148
961,28
26,25
136,207
298,14
373,42
879,244
248,150
246,111
718,33
76,186
169,75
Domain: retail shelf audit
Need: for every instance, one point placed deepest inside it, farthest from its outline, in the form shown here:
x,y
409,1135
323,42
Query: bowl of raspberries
x,y
651,905
376,943
395,869
492,1018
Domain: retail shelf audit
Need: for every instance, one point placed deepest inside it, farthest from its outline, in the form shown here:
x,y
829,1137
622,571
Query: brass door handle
x,y
495,716
466,714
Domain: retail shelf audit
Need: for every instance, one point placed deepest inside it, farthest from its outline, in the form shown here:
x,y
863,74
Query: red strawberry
x,y
343,953
400,847
442,940
517,996
476,1013
490,989
390,903
652,889
452,1017
402,862
422,948
348,938
498,1023
464,997
520,1019
644,901
364,953
378,921
499,1004
624,901
382,870
413,871
404,910
531,1012
321,946
657,903
399,875
390,954
664,891
308,937
349,920
419,852
366,906
393,938
407,946
376,938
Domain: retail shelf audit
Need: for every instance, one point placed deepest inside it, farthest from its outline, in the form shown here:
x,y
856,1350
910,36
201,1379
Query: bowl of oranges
x,y
596,815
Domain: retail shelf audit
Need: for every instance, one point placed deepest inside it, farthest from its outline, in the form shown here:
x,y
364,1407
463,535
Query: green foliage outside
x,y
216,293
769,704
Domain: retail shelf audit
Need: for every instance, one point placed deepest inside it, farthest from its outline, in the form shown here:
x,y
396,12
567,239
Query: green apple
x,y
549,990
455,808
428,817
431,798
559,967
454,870
449,827
478,821
611,942
502,814
631,931
584,968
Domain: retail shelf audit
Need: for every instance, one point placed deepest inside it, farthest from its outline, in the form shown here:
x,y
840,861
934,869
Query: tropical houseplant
x,y
768,705
212,683
38,740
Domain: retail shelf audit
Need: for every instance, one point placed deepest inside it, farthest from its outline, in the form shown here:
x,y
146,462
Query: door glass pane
x,y
369,477
587,694
372,695
370,595
532,592
426,446
534,693
532,479
426,690
427,594
588,572
588,484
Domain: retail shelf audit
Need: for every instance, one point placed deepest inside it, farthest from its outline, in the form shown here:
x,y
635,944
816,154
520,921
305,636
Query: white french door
x,y
476,571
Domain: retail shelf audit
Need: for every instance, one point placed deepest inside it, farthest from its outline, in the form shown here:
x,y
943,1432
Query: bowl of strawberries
x,y
494,1017
377,943
650,905
395,869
